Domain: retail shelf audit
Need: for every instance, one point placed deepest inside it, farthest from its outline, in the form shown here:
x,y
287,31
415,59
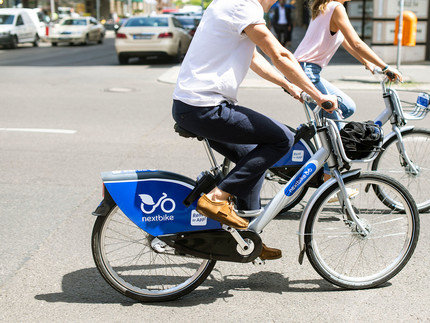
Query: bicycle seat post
x,y
210,155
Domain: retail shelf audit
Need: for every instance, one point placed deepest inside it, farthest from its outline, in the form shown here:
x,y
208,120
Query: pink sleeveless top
x,y
318,46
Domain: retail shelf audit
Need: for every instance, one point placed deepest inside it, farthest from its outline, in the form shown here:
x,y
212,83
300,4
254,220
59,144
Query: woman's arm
x,y
356,46
370,66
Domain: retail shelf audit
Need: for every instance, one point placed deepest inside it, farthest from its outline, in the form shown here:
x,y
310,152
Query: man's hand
x,y
328,98
293,90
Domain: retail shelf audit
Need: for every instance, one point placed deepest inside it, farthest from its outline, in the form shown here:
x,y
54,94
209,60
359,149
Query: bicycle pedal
x,y
258,262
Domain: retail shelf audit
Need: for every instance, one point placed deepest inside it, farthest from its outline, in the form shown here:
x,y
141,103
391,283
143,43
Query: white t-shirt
x,y
282,18
219,55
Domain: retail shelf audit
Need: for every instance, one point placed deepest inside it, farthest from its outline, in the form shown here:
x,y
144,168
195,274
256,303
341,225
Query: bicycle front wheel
x,y
389,162
347,258
131,263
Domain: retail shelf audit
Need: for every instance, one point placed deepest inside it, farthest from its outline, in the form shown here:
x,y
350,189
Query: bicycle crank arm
x,y
215,245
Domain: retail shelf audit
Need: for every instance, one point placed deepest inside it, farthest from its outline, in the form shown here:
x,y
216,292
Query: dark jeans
x,y
251,140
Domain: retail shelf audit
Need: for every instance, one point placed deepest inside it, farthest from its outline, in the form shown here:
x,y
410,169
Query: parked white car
x,y
157,35
80,30
16,27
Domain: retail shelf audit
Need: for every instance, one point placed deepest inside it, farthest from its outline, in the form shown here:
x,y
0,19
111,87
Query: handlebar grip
x,y
327,105
390,75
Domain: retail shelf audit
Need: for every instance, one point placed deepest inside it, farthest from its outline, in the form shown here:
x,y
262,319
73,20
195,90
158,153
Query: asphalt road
x,y
68,113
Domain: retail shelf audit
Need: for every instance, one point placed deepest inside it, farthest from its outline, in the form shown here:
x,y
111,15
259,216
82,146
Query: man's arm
x,y
285,62
264,69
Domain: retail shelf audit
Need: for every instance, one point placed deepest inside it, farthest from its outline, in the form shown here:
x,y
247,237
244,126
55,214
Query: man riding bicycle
x,y
205,103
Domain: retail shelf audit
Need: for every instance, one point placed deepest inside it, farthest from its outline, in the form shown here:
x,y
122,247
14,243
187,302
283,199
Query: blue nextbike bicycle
x,y
150,244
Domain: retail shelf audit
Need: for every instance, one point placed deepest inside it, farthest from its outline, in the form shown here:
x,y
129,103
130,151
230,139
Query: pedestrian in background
x,y
282,22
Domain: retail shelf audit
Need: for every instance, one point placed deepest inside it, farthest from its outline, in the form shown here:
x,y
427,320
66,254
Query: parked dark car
x,y
189,23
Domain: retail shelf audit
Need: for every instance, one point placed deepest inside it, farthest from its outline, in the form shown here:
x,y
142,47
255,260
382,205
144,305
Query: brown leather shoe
x,y
220,211
268,253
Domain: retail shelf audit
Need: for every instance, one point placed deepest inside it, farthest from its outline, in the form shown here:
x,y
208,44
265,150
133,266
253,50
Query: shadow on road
x,y
86,286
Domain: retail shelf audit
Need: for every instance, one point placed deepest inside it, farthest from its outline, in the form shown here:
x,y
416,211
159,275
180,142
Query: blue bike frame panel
x,y
153,201
298,155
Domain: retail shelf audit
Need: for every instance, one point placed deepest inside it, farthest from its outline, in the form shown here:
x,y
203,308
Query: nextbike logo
x,y
148,206
300,179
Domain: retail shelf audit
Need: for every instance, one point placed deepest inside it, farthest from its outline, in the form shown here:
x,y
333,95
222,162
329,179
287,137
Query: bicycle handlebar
x,y
326,105
389,74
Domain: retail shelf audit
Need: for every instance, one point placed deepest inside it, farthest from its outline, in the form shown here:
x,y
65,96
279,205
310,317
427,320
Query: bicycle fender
x,y
310,204
402,130
152,199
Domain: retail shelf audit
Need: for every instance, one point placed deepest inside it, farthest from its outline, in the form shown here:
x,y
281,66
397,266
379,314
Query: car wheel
x,y
14,43
179,56
54,44
36,41
102,36
123,60
87,40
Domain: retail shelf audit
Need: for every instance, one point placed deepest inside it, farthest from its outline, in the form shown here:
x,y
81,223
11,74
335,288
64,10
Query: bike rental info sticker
x,y
155,205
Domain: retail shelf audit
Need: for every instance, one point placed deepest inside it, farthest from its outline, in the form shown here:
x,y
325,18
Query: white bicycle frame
x,y
394,113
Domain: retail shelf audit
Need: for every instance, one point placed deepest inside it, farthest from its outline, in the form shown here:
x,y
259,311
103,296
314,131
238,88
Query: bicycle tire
x,y
125,258
417,144
341,255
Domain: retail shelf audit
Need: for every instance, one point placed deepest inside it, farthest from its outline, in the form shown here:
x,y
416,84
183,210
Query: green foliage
x,y
180,3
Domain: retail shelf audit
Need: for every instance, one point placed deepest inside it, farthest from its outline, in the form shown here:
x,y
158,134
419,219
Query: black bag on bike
x,y
359,139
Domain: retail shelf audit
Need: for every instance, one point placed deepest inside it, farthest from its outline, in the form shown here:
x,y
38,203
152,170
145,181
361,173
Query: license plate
x,y
143,36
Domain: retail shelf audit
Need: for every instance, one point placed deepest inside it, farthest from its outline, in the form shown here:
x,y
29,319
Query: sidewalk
x,y
343,71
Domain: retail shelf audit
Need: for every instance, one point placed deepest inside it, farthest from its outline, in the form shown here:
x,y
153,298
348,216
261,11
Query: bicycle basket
x,y
359,139
411,104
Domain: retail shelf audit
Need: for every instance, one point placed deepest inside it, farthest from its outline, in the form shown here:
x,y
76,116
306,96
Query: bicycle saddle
x,y
185,133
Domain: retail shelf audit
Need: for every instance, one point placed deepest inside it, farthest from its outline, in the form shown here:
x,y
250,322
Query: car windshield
x,y
74,22
147,22
6,19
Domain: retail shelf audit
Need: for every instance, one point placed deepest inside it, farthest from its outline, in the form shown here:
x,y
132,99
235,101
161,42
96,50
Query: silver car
x,y
158,35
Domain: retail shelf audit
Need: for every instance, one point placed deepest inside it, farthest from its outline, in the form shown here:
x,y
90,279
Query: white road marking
x,y
59,131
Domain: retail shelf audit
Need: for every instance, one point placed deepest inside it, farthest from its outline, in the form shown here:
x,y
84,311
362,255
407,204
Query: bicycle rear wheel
x,y
129,261
389,162
346,258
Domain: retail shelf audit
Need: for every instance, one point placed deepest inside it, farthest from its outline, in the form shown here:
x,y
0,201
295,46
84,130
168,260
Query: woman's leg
x,y
346,104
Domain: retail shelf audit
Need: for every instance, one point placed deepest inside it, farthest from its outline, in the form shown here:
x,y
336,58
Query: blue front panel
x,y
296,156
155,205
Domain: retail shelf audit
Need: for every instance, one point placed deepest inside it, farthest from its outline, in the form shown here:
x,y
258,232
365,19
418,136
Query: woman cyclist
x,y
329,28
